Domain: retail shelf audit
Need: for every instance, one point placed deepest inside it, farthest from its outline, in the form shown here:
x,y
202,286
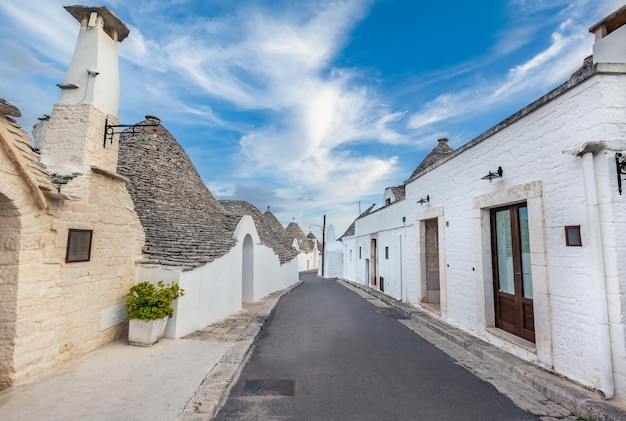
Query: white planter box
x,y
146,332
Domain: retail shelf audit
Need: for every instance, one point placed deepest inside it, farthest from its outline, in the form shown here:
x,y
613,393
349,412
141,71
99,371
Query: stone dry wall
x,y
47,303
61,303
63,154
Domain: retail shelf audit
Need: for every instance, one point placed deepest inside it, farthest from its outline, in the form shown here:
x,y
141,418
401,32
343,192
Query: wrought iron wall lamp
x,y
492,175
620,164
422,200
152,128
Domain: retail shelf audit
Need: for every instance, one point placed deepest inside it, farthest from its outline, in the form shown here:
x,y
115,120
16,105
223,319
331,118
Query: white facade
x,y
333,256
307,260
217,289
558,158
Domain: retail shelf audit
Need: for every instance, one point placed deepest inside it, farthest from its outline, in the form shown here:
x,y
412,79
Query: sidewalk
x,y
184,379
528,386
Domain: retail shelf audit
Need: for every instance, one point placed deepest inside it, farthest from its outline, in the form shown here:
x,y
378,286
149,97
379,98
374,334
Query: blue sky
x,y
310,106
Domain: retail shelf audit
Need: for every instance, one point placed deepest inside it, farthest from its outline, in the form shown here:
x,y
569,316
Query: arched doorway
x,y
247,273
9,249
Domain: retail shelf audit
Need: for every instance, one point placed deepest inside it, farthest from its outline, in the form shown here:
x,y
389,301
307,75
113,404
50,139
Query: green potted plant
x,y
149,306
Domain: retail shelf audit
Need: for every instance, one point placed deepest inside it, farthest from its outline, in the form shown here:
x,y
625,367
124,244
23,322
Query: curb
x,y
582,402
215,388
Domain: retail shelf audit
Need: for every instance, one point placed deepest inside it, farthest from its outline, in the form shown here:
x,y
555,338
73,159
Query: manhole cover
x,y
269,388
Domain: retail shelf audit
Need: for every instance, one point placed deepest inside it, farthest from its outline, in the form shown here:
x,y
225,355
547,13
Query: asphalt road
x,y
351,360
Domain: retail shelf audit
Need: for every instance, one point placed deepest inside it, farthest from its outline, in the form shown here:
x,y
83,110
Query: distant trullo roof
x,y
294,231
184,224
441,150
352,228
312,236
273,222
269,236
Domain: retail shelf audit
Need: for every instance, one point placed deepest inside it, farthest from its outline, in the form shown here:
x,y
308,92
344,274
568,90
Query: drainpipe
x,y
605,362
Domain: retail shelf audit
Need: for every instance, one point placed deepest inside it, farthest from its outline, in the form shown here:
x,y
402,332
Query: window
x,y
386,252
78,246
572,236
359,253
350,254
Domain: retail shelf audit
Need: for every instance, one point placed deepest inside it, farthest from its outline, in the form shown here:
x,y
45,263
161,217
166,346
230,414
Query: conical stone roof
x,y
441,150
273,222
269,236
184,224
312,236
293,230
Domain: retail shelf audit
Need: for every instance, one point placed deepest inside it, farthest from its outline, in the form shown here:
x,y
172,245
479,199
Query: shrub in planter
x,y
149,306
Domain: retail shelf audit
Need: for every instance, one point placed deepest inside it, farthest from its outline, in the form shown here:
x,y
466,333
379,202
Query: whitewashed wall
x,y
389,226
214,291
270,275
536,169
307,261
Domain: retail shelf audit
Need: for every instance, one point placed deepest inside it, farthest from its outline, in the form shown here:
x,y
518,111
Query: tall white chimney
x,y
610,32
73,138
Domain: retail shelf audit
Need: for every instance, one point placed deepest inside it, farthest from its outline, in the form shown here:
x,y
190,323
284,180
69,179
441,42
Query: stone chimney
x,y
74,137
610,45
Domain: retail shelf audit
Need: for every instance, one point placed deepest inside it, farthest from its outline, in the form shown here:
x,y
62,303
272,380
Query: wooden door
x,y
512,277
431,236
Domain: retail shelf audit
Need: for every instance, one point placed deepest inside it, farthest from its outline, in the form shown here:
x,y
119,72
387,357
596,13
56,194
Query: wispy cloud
x,y
309,134
570,43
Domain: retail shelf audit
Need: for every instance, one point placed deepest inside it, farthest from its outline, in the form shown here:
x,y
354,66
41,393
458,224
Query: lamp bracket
x,y
620,165
422,200
109,130
495,174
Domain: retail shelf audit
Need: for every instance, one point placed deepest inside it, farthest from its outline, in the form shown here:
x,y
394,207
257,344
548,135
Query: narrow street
x,y
329,354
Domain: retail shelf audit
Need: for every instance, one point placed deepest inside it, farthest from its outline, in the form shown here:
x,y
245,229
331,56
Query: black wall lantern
x,y
422,200
152,128
620,164
492,175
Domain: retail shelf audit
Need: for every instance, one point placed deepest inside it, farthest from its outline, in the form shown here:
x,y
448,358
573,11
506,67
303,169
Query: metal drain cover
x,y
269,388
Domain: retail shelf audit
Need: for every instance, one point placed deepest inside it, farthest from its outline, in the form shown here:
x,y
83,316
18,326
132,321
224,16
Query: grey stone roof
x,y
294,231
274,223
18,147
352,228
440,151
269,235
312,236
398,192
184,225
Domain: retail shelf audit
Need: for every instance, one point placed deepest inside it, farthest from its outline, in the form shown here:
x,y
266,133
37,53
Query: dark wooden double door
x,y
512,276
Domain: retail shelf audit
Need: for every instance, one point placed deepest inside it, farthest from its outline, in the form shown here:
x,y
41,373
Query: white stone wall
x,y
538,171
214,291
307,260
389,226
531,150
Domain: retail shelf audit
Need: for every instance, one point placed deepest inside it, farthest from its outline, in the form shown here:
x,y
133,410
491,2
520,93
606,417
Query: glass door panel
x,y
527,277
505,252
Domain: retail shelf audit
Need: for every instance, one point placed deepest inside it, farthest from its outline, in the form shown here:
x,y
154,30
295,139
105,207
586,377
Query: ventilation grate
x,y
269,388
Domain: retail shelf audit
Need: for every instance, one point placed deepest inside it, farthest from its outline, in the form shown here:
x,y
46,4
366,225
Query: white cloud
x,y
570,44
46,27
